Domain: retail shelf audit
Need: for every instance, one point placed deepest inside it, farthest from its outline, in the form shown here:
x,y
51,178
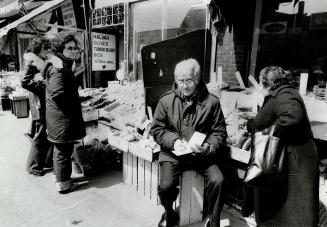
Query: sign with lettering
x,y
103,52
109,16
68,13
278,27
318,21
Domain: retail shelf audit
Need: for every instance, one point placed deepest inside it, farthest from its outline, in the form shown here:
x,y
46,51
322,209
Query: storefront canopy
x,y
48,6
9,8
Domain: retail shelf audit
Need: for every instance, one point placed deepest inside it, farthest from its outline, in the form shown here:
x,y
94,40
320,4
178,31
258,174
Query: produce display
x,y
238,109
123,106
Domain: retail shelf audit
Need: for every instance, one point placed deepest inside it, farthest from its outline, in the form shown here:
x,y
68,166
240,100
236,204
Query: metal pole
x,y
87,54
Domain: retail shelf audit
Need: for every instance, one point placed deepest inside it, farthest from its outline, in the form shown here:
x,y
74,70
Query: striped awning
x,y
9,8
46,7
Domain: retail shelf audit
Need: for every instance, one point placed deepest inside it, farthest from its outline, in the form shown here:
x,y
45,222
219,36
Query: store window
x,y
293,35
157,20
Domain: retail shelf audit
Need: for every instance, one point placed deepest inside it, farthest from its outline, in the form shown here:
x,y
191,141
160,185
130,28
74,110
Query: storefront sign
x,y
318,21
68,13
104,52
278,27
109,16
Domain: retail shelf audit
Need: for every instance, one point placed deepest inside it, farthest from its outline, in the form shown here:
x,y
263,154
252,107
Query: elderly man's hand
x,y
204,149
180,145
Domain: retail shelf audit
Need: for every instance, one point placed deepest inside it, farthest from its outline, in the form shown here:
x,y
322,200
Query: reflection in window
x,y
294,36
157,20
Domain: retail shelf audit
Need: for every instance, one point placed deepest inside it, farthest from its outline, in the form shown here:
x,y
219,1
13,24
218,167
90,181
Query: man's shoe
x,y
172,220
206,221
36,172
163,221
72,188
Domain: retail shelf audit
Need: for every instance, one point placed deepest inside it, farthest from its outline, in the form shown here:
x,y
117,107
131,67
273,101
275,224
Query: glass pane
x,y
184,16
146,28
293,35
157,20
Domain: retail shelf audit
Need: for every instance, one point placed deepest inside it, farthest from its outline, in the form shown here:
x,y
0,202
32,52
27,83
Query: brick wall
x,y
231,52
234,47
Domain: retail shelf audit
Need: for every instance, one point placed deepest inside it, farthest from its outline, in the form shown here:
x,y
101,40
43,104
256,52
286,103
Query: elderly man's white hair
x,y
188,66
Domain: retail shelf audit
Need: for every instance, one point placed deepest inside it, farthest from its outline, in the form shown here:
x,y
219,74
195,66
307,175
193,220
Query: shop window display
x,y
294,36
158,20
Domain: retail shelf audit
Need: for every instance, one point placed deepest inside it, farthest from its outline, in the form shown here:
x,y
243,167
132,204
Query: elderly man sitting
x,y
186,109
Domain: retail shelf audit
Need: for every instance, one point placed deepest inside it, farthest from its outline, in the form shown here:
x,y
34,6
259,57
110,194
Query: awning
x,y
48,6
9,8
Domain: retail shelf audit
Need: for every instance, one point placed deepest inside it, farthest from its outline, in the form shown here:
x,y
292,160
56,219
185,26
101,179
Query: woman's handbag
x,y
267,156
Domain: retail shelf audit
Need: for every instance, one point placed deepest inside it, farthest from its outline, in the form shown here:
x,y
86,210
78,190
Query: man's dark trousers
x,y
213,177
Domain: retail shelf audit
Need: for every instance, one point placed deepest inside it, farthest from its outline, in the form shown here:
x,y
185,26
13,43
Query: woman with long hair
x,y
40,155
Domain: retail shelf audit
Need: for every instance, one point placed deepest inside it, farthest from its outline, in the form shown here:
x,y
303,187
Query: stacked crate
x,y
19,106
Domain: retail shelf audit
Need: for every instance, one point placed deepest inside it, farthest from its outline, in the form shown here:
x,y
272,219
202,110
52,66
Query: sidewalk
x,y
26,200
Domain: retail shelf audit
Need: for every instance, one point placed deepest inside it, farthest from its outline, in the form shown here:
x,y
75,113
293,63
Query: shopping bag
x,y
267,156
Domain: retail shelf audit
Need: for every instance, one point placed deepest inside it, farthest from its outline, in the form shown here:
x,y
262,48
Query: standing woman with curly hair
x,y
64,120
296,201
40,155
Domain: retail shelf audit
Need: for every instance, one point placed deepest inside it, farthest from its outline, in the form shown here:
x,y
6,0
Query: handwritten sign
x,y
68,14
104,52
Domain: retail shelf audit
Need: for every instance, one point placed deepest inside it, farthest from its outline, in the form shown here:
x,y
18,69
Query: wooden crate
x,y
148,179
130,170
191,198
154,182
125,164
5,103
142,175
127,168
21,107
134,171
140,151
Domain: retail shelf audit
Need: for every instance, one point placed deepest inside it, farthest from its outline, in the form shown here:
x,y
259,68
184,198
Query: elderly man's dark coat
x,y
63,107
175,119
285,107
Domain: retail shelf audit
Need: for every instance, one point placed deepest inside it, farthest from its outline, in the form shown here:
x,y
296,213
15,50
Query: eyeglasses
x,y
46,47
70,48
188,82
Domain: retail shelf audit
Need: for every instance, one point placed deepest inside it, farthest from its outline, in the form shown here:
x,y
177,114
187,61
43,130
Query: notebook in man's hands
x,y
196,139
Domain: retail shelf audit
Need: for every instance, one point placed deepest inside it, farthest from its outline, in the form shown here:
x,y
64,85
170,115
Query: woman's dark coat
x,y
285,106
174,119
63,107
